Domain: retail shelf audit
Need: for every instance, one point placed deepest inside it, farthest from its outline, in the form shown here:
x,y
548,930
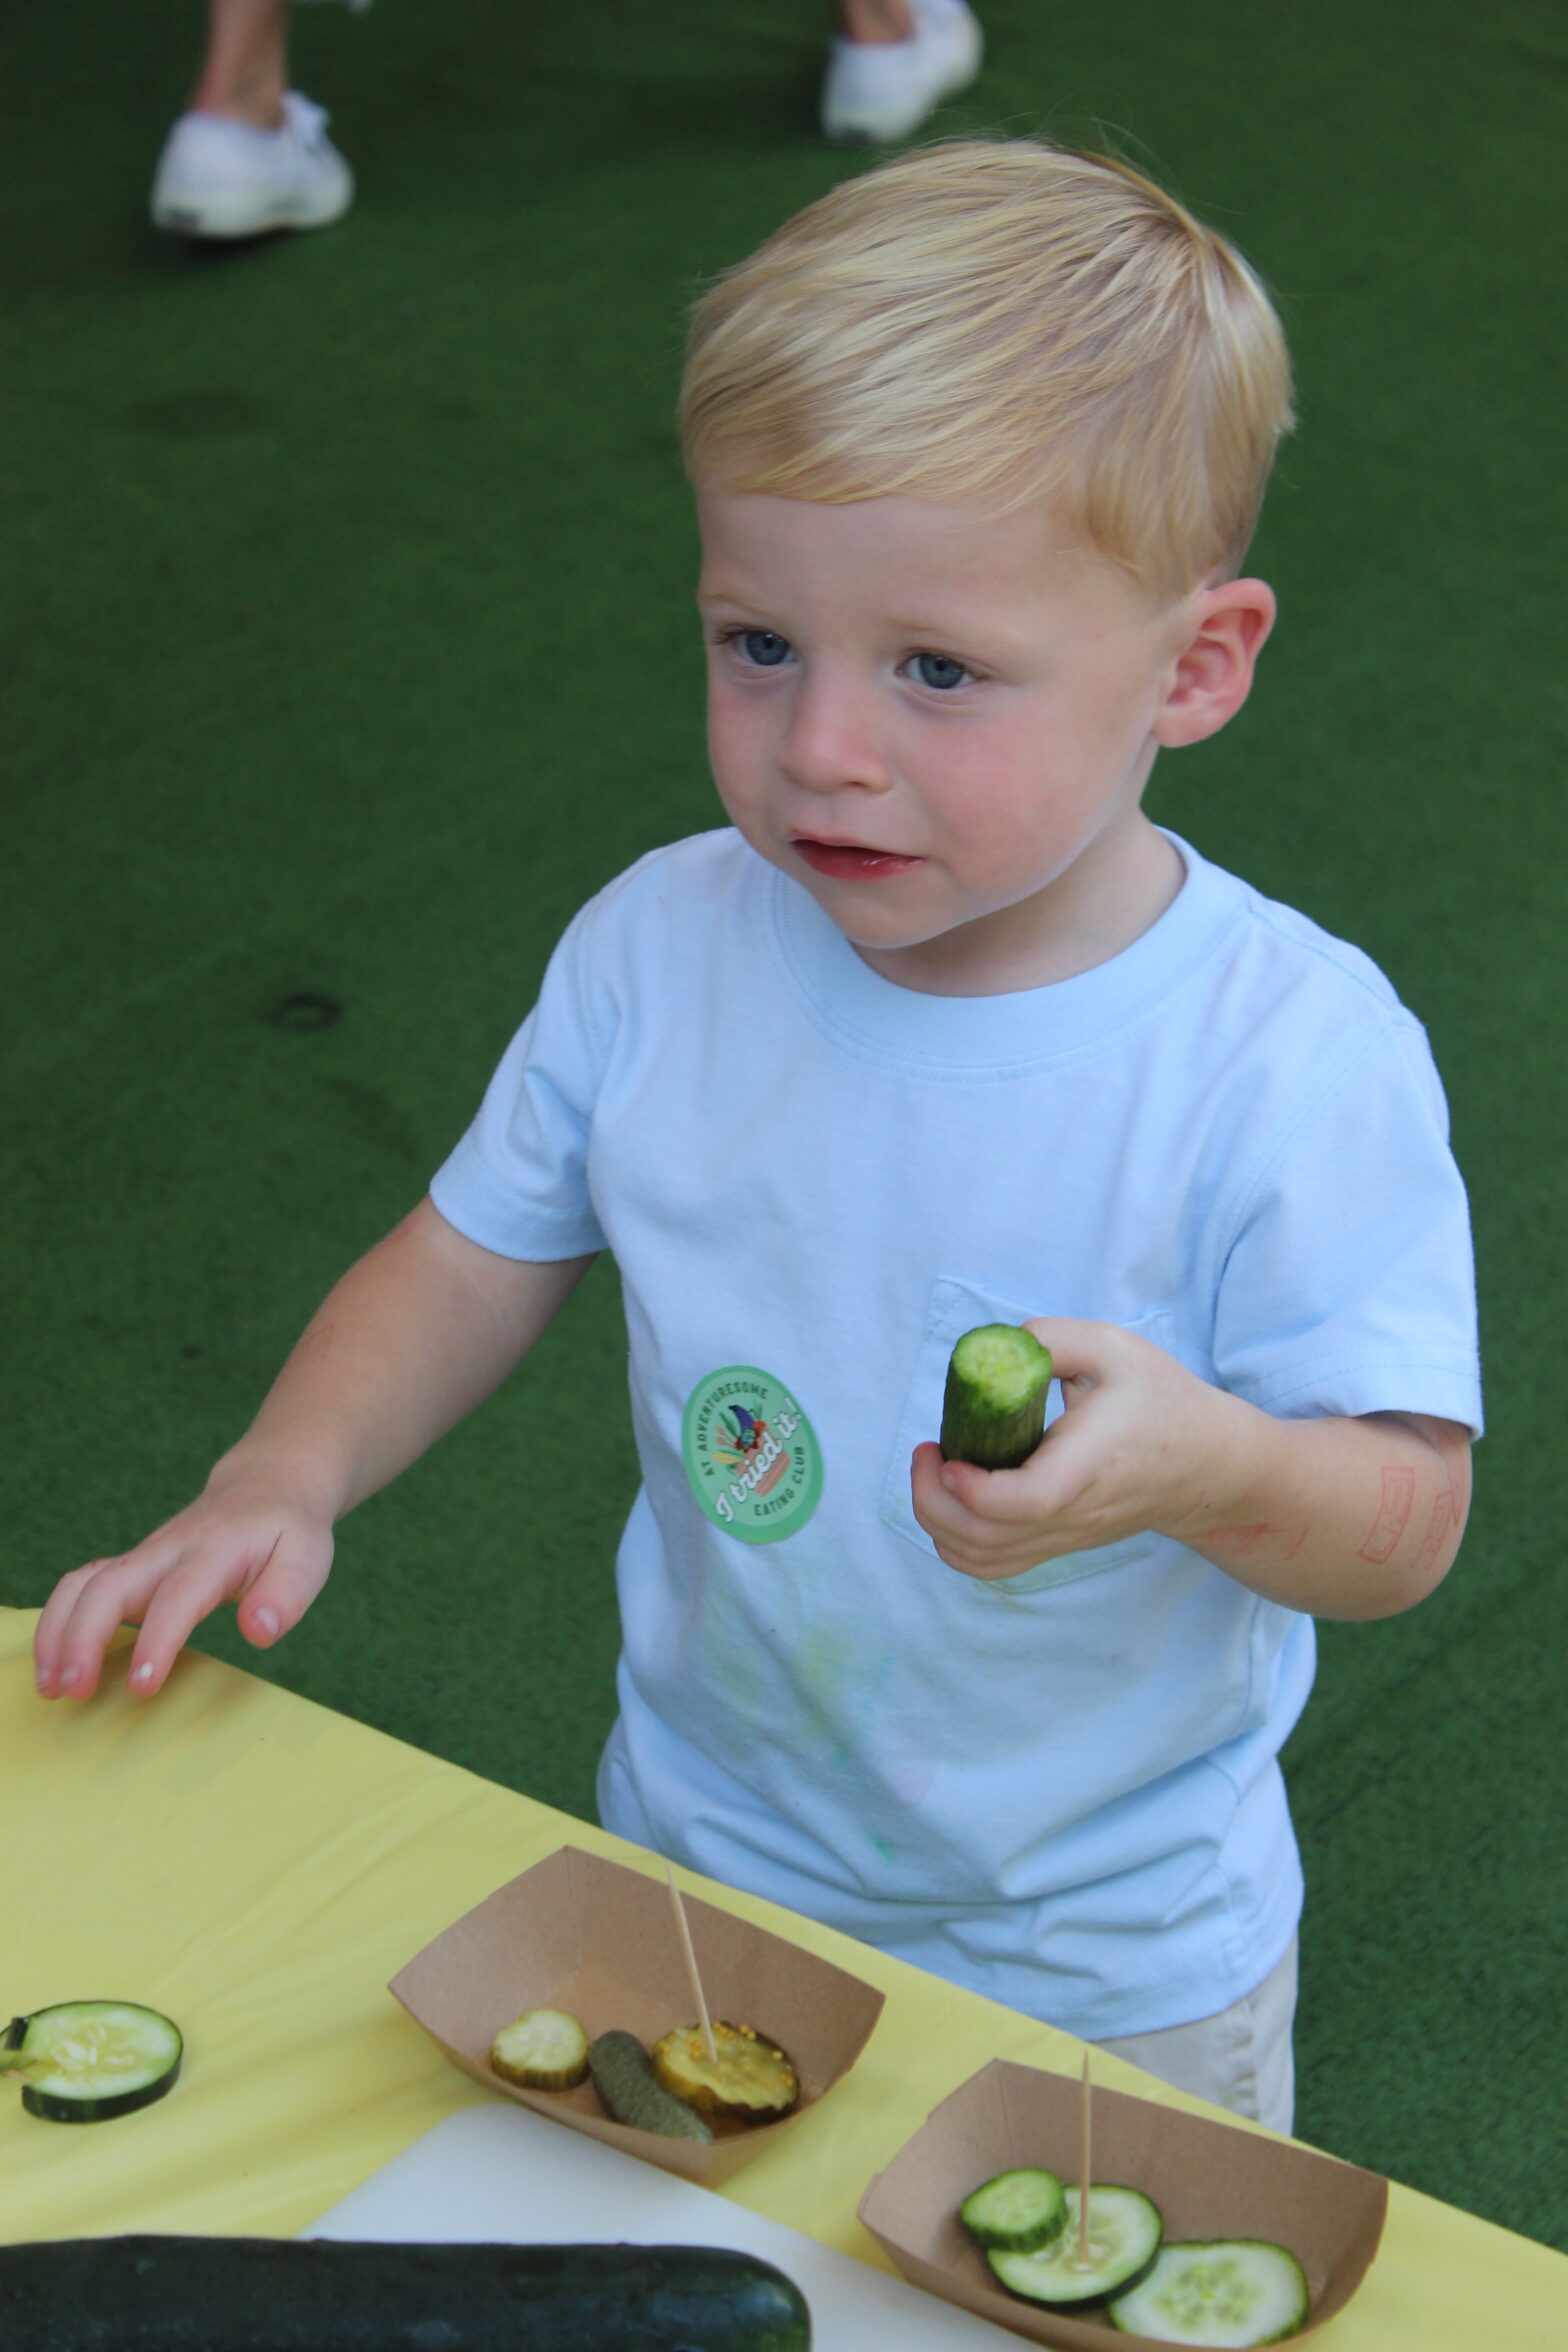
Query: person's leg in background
x,y
245,69
891,62
249,154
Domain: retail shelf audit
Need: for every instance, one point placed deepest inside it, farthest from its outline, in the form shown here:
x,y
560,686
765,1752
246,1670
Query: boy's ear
x,y
1211,677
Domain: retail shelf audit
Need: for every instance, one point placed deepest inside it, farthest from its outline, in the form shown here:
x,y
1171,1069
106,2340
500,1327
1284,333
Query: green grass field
x,y
350,646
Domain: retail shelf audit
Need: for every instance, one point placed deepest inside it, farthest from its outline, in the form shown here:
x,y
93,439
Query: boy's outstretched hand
x,y
239,1541
407,1341
1338,1516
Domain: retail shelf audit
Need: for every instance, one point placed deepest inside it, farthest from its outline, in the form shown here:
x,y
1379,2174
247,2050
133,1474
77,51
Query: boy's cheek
x,y
734,757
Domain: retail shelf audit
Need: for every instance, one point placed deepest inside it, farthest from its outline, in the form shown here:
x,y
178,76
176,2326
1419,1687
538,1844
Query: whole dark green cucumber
x,y
993,1410
179,2294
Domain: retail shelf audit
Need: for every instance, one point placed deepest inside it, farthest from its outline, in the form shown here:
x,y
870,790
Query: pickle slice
x,y
750,2081
544,2050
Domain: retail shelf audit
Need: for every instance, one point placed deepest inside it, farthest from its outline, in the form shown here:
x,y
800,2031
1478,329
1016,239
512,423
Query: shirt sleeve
x,y
1349,1284
517,1181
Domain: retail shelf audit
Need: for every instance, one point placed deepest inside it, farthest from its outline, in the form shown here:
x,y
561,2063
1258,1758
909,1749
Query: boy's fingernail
x,y
46,1678
265,1621
68,1675
141,1675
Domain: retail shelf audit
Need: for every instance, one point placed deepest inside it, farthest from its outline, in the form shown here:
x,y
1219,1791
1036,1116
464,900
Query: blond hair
x,y
1001,319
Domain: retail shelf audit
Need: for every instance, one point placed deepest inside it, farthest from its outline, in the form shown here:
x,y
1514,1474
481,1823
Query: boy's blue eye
x,y
939,670
764,647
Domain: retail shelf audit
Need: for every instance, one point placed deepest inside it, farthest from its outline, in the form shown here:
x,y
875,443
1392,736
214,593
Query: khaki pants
x,y
1241,2059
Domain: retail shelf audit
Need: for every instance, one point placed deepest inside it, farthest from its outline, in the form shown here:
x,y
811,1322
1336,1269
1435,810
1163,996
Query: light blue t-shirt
x,y
1061,1789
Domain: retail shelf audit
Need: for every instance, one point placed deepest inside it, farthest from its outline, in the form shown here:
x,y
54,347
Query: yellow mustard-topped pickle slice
x,y
750,2080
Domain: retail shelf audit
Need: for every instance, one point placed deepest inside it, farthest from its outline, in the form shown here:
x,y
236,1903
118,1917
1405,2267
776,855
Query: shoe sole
x,y
211,217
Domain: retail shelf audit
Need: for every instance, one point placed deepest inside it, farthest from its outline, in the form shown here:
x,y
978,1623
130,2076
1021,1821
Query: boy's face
x,y
941,724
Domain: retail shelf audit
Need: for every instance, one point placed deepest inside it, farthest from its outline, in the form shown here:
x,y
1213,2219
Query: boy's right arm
x,y
412,1338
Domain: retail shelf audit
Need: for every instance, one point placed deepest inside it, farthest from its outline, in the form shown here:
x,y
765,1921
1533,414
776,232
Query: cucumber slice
x,y
1015,2211
84,2061
1124,2238
993,1409
1233,2293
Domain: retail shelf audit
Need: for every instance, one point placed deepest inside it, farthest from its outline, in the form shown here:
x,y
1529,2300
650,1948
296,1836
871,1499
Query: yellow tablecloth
x,y
259,1868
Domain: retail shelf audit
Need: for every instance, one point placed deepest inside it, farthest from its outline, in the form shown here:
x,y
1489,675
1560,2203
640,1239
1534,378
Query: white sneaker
x,y
880,90
220,178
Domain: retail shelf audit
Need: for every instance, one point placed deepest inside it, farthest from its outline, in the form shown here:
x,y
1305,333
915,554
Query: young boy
x,y
944,1031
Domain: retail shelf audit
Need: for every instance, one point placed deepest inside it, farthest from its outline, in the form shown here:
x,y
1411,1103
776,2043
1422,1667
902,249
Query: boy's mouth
x,y
850,861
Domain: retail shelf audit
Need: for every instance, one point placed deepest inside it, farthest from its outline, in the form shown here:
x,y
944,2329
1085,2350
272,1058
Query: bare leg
x,y
875,20
245,70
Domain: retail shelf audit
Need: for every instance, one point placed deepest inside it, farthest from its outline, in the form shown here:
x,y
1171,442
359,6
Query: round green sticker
x,y
752,1456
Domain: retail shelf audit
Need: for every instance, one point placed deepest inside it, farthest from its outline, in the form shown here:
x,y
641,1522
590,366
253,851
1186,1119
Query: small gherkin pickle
x,y
543,2050
750,2081
630,2092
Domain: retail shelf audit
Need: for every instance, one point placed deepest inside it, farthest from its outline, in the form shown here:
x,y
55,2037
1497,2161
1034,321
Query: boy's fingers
x,y
185,1596
175,1610
57,1610
1080,1350
958,1503
272,1597
55,1615
178,1596
83,1614
287,1585
996,1498
168,1584
935,1502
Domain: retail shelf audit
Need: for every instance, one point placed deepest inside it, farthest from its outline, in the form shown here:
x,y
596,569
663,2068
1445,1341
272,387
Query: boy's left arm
x,y
1338,1517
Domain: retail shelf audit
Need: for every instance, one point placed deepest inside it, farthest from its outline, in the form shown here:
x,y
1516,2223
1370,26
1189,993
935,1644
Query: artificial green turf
x,y
349,647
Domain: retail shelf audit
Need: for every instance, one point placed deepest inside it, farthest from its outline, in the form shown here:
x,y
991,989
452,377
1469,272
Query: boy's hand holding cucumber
x,y
1296,1510
1122,1458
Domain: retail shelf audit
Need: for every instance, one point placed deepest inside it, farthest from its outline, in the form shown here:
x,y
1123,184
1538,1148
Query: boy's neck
x,y
1111,896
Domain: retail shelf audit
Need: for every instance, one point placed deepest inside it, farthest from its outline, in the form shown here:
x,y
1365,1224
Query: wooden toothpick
x,y
1081,2258
710,2047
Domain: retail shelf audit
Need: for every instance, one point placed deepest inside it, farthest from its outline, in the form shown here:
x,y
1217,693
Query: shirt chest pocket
x,y
956,1307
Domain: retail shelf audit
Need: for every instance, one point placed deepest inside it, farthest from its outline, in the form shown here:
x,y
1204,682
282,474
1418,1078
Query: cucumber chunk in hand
x,y
993,1411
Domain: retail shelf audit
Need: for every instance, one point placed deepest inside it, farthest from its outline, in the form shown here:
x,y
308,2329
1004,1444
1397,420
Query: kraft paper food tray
x,y
1209,2180
580,1933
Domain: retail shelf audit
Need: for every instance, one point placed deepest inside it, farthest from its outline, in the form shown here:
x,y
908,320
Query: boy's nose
x,y
830,742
